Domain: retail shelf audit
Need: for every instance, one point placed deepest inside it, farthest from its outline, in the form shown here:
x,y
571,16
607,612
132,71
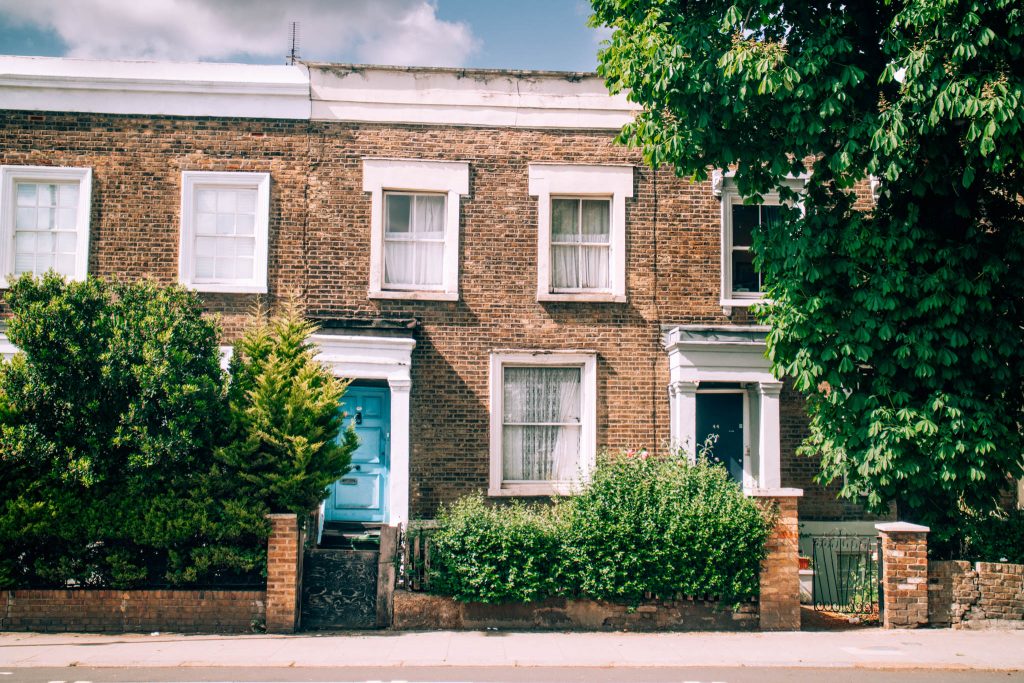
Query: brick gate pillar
x,y
780,570
284,573
904,574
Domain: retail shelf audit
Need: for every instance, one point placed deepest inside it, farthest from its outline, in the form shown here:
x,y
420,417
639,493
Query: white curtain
x,y
414,240
580,242
541,423
44,228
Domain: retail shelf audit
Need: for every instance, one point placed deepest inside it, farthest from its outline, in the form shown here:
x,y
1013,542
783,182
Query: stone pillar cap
x,y
901,528
774,493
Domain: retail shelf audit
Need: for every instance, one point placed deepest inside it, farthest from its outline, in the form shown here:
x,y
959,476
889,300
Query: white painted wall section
x,y
155,88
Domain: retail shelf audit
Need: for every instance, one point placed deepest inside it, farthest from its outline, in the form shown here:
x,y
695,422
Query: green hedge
x,y
643,524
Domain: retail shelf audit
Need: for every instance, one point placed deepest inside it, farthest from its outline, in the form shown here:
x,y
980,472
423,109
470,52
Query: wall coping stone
x,y
901,528
775,493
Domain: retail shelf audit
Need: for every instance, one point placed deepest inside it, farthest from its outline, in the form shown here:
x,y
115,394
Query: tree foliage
x,y
112,418
285,422
900,320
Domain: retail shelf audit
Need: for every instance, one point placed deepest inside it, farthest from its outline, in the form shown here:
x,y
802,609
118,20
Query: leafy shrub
x,y
495,554
995,538
110,419
643,524
107,417
285,422
665,526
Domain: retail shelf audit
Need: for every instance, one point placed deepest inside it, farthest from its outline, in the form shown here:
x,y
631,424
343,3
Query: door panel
x,y
360,496
721,414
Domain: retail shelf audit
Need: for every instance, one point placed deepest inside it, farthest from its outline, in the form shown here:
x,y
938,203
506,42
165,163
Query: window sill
x,y
739,303
217,288
413,295
539,489
583,297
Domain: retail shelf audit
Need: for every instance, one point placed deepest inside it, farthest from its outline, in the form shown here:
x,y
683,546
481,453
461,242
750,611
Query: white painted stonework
x,y
386,358
699,354
154,88
465,97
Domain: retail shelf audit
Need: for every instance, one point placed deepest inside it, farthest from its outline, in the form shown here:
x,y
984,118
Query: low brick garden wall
x,y
182,611
978,595
421,611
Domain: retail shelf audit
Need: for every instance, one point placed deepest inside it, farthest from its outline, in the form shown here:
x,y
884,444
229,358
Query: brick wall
x,y
185,611
319,247
284,573
904,575
979,595
780,578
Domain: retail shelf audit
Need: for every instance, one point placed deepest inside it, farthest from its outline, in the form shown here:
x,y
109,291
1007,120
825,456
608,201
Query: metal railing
x,y
846,573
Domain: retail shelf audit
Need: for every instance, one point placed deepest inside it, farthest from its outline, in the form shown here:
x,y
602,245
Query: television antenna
x,y
293,53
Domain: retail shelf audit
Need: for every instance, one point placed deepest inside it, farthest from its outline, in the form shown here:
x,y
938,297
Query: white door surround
x,y
381,358
733,354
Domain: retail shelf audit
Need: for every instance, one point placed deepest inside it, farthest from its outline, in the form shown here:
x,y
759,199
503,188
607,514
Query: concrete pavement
x,y
867,648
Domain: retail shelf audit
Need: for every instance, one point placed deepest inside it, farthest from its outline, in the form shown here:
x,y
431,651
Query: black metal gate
x,y
339,589
846,573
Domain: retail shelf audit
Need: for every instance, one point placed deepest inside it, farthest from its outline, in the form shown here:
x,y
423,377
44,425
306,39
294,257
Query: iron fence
x,y
846,573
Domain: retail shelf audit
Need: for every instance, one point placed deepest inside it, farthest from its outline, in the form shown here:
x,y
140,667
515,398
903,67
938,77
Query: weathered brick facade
x,y
904,575
319,248
978,595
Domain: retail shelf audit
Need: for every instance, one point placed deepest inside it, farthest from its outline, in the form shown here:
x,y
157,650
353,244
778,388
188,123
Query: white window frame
x,y
191,182
725,188
415,176
569,181
9,177
587,362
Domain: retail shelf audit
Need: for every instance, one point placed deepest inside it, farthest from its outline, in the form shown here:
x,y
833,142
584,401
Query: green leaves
x,y
909,310
642,525
286,443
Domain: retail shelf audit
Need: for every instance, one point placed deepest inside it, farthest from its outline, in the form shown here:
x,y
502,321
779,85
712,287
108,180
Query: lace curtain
x,y
580,243
414,239
541,431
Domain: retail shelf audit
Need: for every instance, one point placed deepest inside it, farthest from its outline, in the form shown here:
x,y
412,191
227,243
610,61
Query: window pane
x,y
64,264
45,218
744,220
26,194
225,268
247,201
245,224
206,247
225,247
66,242
226,201
399,210
66,219
541,432
429,220
770,215
564,220
206,223
225,223
565,268
744,277
595,220
243,268
25,219
594,272
245,247
204,268
68,196
542,394
47,195
412,263
206,201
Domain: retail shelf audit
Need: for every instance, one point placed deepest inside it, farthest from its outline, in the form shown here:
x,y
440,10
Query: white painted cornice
x,y
154,88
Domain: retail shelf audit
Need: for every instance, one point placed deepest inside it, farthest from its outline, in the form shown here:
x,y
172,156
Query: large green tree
x,y
900,320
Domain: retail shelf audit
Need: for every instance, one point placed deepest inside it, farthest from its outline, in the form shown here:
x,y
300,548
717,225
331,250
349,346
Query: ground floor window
x,y
542,421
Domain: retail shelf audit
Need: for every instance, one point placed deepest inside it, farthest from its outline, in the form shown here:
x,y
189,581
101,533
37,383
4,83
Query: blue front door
x,y
720,415
361,495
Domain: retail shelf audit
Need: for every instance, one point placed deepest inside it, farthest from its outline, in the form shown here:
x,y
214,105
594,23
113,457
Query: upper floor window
x,y
543,422
580,244
44,221
224,231
414,232
581,231
742,283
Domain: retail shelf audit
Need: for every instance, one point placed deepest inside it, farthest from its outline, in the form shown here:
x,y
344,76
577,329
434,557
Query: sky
x,y
511,34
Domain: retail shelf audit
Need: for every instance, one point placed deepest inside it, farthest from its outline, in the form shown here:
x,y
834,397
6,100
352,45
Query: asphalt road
x,y
502,675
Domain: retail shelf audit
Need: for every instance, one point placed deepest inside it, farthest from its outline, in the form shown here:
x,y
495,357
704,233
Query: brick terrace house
x,y
510,290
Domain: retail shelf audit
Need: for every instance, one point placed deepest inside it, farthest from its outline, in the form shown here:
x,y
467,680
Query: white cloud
x,y
404,32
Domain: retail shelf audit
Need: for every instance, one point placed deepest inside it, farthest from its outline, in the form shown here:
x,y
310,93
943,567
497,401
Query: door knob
x,y
358,468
